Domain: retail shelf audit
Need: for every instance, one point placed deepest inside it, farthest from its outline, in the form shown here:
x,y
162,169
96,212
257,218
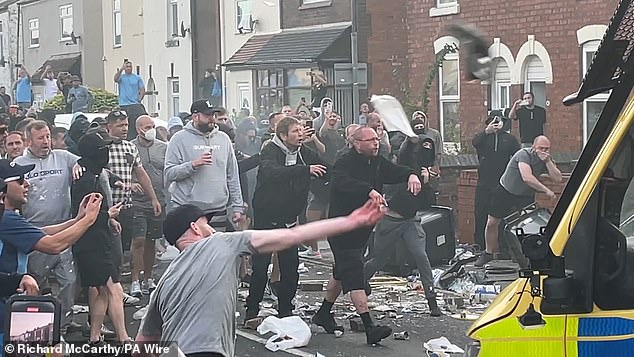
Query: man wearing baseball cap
x,y
195,301
20,237
201,168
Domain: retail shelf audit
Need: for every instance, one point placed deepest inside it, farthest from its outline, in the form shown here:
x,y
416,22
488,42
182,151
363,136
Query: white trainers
x,y
148,286
135,289
310,253
130,300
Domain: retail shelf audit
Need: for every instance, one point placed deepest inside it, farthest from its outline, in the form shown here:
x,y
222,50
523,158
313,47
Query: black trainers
x,y
483,259
376,333
327,322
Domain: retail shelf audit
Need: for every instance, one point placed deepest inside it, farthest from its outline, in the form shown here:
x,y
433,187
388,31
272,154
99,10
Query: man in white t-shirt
x,y
50,84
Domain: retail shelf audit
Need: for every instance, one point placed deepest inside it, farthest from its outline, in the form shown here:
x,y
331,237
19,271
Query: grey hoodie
x,y
433,134
212,187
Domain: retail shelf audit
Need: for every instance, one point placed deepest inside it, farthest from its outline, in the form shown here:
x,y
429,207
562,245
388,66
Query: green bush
x,y
102,97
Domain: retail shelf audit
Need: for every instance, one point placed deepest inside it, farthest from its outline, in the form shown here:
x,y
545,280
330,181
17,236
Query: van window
x,y
614,255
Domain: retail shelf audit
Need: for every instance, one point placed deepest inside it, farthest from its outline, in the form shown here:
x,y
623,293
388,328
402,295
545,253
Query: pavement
x,y
387,290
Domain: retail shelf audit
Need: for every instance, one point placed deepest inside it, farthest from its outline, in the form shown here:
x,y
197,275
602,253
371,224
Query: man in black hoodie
x,y
280,195
357,175
494,147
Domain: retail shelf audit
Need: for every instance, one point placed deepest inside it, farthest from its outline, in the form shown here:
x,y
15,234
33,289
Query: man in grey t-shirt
x,y
194,303
517,189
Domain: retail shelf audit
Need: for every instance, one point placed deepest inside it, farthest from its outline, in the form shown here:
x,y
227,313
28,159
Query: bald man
x,y
517,189
147,226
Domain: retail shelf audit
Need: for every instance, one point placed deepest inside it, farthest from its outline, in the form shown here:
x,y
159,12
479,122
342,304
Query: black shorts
x,y
348,269
504,203
96,267
146,225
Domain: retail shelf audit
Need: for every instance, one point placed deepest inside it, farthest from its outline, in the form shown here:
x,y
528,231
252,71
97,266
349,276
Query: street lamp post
x,y
355,62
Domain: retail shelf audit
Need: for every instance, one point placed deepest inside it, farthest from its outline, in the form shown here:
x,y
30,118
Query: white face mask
x,y
150,135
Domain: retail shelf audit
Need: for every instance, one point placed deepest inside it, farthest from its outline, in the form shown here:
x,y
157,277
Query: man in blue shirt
x,y
131,94
23,89
19,237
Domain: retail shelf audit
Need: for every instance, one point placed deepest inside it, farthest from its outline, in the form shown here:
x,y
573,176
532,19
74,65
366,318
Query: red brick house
x,y
538,45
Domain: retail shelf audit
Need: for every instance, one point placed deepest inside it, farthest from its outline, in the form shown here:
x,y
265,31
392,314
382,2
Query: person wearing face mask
x,y
201,168
147,226
97,254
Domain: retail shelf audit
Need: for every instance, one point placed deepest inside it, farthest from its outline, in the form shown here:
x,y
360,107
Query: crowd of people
x,y
75,201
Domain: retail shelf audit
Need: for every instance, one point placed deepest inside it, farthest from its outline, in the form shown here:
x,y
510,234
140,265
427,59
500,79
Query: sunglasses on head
x,y
119,113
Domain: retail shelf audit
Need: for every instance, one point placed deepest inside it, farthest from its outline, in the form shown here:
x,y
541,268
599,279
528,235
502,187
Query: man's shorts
x,y
146,225
504,203
348,269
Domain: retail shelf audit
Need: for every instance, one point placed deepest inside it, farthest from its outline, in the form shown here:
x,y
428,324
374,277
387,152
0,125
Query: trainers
x,y
105,332
483,259
135,289
148,286
310,253
376,333
327,322
130,300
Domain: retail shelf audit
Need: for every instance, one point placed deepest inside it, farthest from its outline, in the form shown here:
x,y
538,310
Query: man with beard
x,y
357,175
201,168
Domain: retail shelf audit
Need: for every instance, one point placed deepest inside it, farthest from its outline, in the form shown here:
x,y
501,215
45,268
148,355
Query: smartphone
x,y
18,65
309,124
33,319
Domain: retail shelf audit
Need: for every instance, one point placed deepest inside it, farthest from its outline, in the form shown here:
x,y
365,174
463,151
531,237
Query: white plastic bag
x,y
289,332
393,114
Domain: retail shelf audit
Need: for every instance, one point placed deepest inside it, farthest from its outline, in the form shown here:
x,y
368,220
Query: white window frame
x,y
497,86
453,98
174,95
172,19
444,8
34,31
116,18
591,46
244,18
65,13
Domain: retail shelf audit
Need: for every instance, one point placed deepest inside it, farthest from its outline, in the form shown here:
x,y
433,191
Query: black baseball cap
x,y
10,171
178,220
202,106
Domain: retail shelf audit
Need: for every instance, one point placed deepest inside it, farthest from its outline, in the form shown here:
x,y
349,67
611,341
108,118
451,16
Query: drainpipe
x,y
355,62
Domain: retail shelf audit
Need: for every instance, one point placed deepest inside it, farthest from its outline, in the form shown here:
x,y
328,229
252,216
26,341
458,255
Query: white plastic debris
x,y
140,314
289,332
442,345
79,309
301,269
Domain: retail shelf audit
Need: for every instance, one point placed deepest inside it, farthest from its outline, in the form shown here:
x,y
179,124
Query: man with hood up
x,y
79,124
434,134
494,147
201,168
97,253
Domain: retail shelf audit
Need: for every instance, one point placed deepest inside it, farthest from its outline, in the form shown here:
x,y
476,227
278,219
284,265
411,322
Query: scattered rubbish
x,y
384,308
338,333
442,345
465,316
140,314
484,294
311,286
391,314
356,325
379,317
403,336
288,332
317,354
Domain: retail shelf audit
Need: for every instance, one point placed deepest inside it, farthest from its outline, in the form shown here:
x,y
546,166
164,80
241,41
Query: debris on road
x,y
442,345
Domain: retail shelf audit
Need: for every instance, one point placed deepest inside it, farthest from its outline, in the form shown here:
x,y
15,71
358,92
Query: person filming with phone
x,y
494,148
532,118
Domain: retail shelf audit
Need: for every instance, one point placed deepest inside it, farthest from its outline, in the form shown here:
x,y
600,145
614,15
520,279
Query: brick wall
x,y
294,14
554,24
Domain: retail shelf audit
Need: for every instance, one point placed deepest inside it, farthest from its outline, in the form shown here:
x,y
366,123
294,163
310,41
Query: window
x,y
444,8
243,16
66,21
449,83
116,22
173,25
501,85
269,90
592,106
298,85
441,3
535,75
34,28
174,93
